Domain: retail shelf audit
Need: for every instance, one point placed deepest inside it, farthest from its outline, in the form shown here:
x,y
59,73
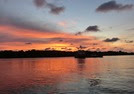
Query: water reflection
x,y
92,81
81,64
66,75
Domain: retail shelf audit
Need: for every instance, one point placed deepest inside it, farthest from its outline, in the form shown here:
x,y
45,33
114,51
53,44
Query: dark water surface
x,y
108,75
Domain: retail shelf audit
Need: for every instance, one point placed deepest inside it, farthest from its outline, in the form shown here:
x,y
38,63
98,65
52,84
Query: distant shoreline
x,y
51,54
57,57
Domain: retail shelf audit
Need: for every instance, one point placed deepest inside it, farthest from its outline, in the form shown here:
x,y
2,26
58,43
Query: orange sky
x,y
24,39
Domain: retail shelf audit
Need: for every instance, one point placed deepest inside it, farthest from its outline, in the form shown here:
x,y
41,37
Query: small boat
x,y
83,54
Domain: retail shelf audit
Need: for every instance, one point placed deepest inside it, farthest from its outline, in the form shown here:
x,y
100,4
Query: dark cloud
x,y
111,40
92,29
48,49
69,49
113,5
95,44
60,40
54,9
40,3
28,43
118,49
78,33
57,10
129,41
81,47
64,48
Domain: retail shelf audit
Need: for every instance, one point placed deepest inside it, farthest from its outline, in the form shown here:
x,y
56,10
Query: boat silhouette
x,y
81,53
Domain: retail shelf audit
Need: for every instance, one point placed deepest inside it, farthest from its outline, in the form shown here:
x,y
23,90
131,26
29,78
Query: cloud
x,y
113,6
28,43
57,10
129,41
131,29
19,22
78,33
94,28
117,49
111,40
24,22
12,34
95,44
40,3
54,9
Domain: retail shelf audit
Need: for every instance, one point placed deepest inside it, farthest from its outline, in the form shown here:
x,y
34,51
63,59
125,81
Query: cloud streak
x,y
113,6
8,19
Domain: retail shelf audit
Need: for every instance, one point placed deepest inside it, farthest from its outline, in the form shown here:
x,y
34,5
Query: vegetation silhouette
x,y
54,53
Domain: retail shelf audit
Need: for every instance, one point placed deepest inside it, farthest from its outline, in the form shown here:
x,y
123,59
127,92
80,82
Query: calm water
x,y
108,75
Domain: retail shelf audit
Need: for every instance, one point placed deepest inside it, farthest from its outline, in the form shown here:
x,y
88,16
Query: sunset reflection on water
x,y
67,75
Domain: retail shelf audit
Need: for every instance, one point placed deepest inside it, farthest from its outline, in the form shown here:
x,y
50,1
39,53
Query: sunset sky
x,y
96,25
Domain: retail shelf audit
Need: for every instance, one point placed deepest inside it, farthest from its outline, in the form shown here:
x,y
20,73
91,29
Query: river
x,y
107,75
